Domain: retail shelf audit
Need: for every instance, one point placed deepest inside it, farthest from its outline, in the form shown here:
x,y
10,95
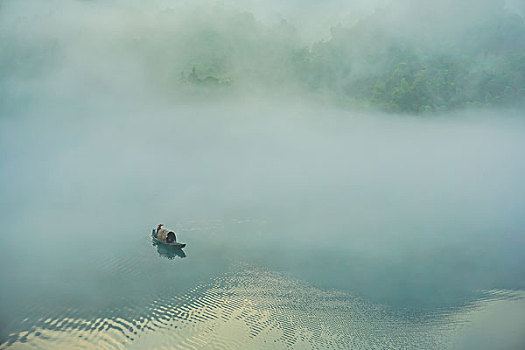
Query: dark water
x,y
346,231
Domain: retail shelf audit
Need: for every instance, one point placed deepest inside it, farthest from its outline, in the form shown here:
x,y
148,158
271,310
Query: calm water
x,y
305,229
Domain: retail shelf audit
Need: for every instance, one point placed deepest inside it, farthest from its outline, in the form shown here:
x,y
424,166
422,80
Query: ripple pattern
x,y
252,309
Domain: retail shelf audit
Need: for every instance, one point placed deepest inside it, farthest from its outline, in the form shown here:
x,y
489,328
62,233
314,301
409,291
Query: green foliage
x,y
421,61
399,76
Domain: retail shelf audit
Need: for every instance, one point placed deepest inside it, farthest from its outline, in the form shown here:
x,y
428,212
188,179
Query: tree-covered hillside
x,y
411,56
483,66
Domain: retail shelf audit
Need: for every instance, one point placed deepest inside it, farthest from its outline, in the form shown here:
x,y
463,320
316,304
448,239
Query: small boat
x,y
166,237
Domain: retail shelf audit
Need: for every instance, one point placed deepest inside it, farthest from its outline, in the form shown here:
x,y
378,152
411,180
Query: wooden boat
x,y
166,237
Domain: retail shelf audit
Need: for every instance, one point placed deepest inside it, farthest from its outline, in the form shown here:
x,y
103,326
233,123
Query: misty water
x,y
310,222
350,231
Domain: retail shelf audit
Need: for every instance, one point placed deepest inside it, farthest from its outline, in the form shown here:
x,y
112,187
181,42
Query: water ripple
x,y
252,309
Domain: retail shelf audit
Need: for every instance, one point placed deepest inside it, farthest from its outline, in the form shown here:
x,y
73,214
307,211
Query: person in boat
x,y
164,236
170,237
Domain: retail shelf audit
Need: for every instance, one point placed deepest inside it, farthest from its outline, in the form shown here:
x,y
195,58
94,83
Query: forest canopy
x,y
416,56
483,64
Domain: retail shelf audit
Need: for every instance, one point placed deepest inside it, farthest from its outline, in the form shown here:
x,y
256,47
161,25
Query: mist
x,y
368,148
403,57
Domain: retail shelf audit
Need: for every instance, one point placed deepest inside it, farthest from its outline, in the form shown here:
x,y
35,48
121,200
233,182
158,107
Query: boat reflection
x,y
167,251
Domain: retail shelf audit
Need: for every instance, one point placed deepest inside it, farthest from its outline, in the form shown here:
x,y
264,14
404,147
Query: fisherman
x,y
159,227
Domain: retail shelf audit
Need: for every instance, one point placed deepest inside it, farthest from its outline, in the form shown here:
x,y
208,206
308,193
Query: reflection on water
x,y
239,291
352,238
248,295
168,251
257,309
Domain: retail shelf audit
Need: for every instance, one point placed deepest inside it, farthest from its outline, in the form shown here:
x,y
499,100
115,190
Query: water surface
x,y
305,228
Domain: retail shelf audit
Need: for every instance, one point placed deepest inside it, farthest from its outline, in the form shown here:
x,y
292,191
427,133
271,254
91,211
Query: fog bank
x,y
369,148
402,56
